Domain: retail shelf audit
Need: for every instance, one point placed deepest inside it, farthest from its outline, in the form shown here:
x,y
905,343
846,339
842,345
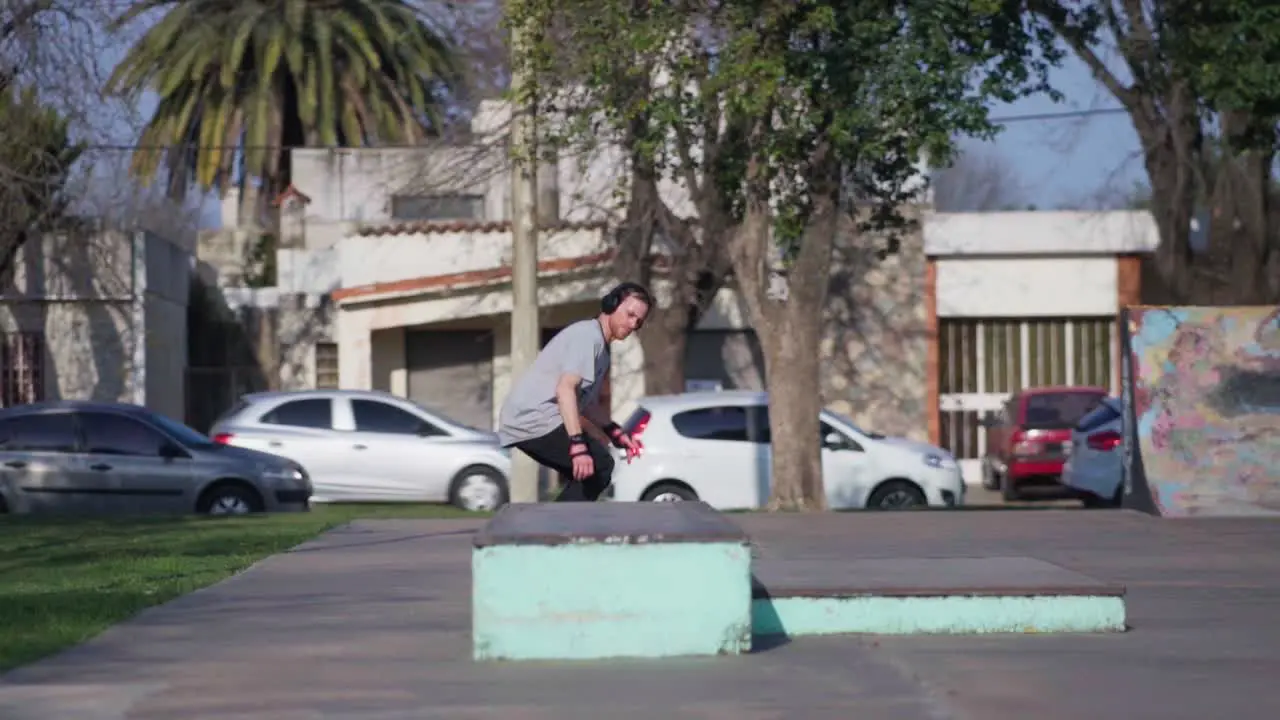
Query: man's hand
x,y
580,456
623,440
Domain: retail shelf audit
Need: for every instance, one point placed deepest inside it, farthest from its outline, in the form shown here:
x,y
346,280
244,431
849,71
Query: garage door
x,y
451,371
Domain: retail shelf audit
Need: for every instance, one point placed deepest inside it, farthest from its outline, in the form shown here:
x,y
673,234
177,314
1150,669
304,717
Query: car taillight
x,y
1023,446
223,438
1104,441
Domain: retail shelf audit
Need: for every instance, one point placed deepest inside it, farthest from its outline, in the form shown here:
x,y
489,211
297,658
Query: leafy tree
x,y
1203,93
36,157
241,81
787,121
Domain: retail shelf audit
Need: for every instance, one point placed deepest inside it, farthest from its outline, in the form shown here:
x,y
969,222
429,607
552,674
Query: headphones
x,y
610,302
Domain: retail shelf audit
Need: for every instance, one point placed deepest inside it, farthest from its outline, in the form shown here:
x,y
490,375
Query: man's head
x,y
625,309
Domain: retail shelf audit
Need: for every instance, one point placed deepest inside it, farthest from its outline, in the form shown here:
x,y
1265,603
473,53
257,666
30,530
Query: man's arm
x,y
594,416
567,400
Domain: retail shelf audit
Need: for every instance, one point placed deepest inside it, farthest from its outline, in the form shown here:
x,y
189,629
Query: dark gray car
x,y
73,457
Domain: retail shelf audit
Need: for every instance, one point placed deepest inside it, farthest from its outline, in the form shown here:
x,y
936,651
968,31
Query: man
x,y
544,411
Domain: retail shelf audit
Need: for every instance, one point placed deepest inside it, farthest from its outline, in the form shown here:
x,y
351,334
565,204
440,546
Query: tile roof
x,y
468,278
289,192
426,227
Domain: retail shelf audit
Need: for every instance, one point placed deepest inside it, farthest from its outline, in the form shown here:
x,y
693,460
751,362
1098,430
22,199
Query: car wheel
x,y
1009,491
990,480
1094,502
897,495
229,499
479,489
669,492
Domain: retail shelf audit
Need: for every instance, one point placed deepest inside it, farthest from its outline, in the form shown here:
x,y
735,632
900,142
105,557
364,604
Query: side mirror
x,y
169,451
834,441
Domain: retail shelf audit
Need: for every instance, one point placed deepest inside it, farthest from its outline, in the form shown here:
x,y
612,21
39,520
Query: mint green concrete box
x,y
938,615
918,596
610,580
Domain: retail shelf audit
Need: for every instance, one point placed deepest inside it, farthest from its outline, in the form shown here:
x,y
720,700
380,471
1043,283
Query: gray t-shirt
x,y
530,410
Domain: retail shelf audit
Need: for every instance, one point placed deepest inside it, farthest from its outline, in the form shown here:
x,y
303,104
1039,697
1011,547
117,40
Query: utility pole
x,y
525,330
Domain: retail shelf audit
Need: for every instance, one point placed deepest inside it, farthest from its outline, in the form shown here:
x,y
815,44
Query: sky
x,y
1063,162
1072,161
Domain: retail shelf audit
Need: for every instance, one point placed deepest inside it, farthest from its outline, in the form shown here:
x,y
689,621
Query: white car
x,y
365,445
714,447
1094,460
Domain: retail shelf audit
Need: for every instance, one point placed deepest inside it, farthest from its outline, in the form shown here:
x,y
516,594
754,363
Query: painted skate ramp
x,y
1202,410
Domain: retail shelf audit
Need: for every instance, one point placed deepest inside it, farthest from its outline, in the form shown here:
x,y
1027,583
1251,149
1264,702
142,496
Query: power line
x,y
1061,115
392,146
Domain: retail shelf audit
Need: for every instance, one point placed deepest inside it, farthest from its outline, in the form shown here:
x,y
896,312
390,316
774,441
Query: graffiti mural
x,y
1204,410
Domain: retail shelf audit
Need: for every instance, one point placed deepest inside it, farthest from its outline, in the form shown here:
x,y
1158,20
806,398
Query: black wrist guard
x,y
577,445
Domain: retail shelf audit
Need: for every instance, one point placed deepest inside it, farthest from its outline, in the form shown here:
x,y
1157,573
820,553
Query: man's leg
x,y
595,485
552,451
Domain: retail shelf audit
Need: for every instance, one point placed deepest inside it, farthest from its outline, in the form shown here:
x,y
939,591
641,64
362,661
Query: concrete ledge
x,y
895,596
577,581
954,615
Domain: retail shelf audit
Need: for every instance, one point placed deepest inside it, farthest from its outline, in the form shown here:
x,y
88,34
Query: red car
x,y
1028,439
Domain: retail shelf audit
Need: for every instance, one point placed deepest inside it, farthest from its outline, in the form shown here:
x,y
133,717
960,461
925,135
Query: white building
x,y
94,314
413,248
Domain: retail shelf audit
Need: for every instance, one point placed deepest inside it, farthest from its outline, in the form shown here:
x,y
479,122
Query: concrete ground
x,y
371,622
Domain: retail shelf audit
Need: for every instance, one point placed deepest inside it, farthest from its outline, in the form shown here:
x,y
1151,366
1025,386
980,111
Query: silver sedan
x,y
79,457
364,445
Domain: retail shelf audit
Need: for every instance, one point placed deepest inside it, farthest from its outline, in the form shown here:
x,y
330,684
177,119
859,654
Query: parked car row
x,y
280,451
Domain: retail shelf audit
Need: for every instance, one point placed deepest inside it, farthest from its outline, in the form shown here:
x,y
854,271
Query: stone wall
x,y
874,347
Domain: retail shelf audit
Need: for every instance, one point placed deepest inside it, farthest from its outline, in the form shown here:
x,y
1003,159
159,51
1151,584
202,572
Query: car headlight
x,y
289,474
941,462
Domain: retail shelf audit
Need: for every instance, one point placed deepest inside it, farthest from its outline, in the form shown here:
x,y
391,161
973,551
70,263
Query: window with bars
x,y
326,366
1006,355
437,207
21,368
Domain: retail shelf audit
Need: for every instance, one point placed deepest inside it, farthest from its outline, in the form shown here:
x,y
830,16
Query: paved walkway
x,y
371,622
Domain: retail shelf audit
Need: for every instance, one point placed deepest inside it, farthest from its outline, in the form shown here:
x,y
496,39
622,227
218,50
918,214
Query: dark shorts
x,y
552,451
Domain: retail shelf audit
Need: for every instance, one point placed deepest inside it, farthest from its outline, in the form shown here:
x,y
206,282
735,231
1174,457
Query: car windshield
x,y
1059,410
854,426
184,434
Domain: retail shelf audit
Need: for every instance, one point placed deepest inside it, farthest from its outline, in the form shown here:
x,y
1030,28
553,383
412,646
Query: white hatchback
x,y
714,447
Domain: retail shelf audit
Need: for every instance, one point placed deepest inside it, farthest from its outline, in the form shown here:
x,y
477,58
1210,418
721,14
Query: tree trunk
x,y
791,367
790,329
663,342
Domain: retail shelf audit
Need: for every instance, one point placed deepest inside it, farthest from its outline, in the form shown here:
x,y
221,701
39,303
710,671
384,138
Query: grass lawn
x,y
64,580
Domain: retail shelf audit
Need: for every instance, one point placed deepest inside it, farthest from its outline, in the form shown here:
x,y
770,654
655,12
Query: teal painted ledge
x,y
605,600
942,614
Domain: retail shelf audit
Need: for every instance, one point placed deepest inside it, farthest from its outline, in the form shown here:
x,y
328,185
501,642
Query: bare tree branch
x,y
979,180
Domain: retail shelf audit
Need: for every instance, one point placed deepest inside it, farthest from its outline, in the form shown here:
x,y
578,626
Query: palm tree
x,y
241,81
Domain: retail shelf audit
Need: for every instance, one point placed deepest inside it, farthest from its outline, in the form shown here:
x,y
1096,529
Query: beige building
x,y
96,315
